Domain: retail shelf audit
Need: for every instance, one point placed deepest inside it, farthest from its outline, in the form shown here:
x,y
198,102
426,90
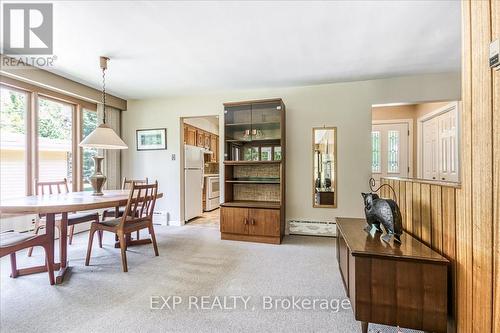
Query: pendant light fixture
x,y
103,137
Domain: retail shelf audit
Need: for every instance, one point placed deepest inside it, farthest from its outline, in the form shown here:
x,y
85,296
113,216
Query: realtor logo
x,y
27,28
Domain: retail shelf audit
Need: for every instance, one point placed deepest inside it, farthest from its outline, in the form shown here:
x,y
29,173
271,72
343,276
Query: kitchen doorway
x,y
200,176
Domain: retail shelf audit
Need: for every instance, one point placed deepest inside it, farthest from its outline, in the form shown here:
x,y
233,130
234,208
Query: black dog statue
x,y
383,211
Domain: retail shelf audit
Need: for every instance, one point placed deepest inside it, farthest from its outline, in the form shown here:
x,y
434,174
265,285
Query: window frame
x,y
33,93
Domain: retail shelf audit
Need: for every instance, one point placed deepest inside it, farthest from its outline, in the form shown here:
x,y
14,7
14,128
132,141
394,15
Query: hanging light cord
x,y
104,95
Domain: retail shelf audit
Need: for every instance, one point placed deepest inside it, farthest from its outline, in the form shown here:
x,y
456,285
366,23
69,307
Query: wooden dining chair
x,y
138,215
126,185
11,242
60,187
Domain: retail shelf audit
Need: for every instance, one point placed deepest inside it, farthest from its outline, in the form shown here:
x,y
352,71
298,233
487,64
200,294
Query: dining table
x,y
58,206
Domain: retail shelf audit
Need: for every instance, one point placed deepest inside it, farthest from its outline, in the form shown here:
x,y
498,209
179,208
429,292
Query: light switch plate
x,y
173,157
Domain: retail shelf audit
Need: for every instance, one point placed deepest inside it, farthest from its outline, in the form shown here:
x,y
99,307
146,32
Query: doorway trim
x,y
430,115
409,122
181,160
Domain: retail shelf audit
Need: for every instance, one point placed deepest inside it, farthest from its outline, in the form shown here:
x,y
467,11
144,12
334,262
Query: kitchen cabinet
x,y
189,135
214,147
200,138
206,140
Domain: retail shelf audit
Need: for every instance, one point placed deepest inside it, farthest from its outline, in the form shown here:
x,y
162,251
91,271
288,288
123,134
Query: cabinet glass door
x,y
266,120
237,120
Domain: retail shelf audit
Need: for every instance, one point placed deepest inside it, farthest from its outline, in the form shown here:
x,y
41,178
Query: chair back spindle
x,y
50,187
141,203
127,183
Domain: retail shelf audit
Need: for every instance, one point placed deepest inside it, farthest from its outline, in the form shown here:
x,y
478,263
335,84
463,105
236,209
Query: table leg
x,y
364,327
63,248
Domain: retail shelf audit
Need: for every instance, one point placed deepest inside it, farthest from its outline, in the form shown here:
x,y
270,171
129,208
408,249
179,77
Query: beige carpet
x,y
193,261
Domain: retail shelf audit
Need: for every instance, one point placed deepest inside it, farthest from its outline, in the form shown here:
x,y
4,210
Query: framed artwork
x,y
151,139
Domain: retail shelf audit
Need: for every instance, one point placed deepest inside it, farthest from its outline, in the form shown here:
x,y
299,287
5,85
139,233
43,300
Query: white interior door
x,y
430,163
440,146
390,150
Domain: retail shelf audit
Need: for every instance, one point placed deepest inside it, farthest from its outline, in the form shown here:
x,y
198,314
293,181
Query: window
x,y
88,125
13,112
40,130
376,167
55,149
393,152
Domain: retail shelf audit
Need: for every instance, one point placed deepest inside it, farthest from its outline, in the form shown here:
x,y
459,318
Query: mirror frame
x,y
334,128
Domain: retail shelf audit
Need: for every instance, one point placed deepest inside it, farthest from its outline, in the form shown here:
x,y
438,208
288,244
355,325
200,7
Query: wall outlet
x,y
173,157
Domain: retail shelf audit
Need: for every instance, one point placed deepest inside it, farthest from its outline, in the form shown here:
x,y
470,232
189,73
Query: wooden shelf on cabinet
x,y
250,162
253,204
256,181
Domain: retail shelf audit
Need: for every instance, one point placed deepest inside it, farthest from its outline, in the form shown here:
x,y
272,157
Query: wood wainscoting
x,y
429,214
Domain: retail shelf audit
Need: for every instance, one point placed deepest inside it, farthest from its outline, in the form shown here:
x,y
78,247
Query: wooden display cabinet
x,y
254,165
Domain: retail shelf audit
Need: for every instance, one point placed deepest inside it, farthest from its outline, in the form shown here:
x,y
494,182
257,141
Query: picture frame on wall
x,y
151,139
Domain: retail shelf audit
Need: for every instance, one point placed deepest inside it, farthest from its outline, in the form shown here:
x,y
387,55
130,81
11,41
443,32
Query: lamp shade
x,y
103,137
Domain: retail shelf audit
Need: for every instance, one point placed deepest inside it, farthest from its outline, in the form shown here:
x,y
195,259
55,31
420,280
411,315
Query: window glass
x,y
54,140
89,124
13,110
376,152
393,152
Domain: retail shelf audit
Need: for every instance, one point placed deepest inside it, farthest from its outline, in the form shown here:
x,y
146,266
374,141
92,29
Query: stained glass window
x,y
393,152
376,151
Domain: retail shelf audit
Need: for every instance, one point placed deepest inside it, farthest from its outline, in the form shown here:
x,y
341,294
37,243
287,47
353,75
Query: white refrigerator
x,y
193,181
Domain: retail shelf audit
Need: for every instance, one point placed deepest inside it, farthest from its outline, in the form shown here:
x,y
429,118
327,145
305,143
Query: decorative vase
x,y
98,179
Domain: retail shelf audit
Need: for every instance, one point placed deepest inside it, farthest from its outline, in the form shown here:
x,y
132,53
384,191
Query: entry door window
x,y
390,150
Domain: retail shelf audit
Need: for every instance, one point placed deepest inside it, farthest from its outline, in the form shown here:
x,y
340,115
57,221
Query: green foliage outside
x,y
12,115
54,122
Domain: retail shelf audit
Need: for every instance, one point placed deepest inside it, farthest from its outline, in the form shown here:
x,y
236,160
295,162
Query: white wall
x,y
345,105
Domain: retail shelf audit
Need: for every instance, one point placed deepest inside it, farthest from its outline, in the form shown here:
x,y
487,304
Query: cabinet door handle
x,y
433,177
443,178
245,221
252,221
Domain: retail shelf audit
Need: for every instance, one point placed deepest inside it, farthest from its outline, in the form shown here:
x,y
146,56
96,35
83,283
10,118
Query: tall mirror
x,y
325,167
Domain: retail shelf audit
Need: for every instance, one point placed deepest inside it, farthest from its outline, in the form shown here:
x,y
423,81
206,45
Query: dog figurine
x,y
383,211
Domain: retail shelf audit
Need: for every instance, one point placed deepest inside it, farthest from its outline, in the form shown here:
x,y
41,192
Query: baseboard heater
x,y
312,228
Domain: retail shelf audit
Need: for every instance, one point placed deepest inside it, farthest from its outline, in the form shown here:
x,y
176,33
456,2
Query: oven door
x,y
213,187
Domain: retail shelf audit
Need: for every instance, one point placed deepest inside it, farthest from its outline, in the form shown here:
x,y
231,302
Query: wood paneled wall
x,y
463,223
429,214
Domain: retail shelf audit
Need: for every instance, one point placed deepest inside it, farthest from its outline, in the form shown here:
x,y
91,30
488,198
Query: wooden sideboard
x,y
399,285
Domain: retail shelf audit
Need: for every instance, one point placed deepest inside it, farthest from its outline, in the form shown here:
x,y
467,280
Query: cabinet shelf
x,y
253,181
253,204
251,162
